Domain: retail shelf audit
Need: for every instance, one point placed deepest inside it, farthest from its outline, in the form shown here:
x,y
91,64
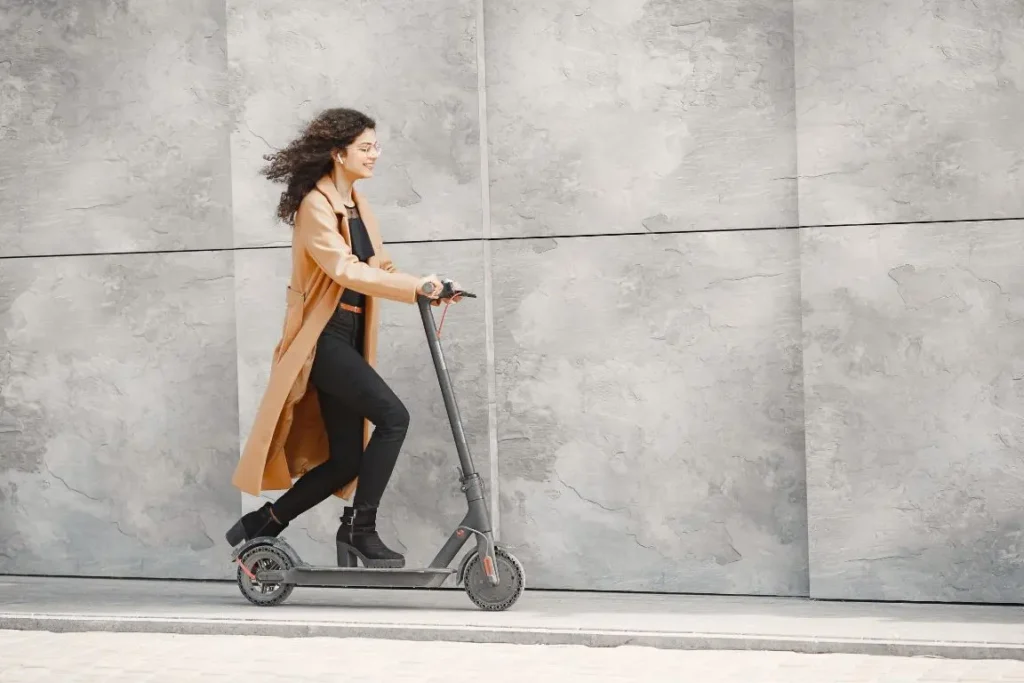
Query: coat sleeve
x,y
316,229
385,260
387,264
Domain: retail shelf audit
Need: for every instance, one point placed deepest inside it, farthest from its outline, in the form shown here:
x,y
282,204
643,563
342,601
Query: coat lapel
x,y
327,187
329,190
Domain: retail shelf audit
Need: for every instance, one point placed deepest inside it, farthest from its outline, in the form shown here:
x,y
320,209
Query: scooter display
x,y
269,569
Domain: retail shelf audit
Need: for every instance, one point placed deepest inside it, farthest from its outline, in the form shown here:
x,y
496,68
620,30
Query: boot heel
x,y
346,558
236,534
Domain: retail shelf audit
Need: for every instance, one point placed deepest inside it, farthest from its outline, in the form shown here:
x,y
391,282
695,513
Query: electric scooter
x,y
269,568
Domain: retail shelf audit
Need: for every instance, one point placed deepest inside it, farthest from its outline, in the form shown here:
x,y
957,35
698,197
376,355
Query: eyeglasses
x,y
366,147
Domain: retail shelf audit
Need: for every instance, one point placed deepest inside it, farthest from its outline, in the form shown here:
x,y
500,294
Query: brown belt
x,y
349,307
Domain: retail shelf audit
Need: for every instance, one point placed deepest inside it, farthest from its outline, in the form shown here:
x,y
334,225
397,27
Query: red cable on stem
x,y
447,303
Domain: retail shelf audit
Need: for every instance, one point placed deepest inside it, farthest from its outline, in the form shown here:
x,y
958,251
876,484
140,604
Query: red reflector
x,y
488,566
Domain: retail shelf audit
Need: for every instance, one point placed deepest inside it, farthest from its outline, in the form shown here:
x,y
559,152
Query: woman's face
x,y
361,155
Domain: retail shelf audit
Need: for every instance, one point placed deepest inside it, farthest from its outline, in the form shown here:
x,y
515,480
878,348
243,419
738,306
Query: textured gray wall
x,y
912,333
637,402
909,110
620,116
914,361
650,422
117,414
113,126
118,394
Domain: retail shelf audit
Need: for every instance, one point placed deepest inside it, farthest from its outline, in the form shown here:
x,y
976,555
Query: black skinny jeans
x,y
349,391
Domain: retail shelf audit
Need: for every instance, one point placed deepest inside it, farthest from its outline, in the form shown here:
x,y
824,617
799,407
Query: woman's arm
x,y
385,260
316,229
388,265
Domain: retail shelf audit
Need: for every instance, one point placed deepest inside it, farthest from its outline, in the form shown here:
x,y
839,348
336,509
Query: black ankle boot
x,y
257,523
357,538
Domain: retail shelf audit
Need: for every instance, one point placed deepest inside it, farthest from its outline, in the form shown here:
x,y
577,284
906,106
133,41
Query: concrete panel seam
x,y
485,216
521,238
796,116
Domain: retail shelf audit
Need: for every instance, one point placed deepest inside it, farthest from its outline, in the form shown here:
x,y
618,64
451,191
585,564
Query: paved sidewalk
x,y
549,618
36,657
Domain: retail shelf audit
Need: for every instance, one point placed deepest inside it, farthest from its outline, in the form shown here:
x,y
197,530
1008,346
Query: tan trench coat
x,y
288,437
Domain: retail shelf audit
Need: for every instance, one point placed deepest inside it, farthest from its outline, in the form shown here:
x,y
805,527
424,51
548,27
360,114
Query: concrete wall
x,y
659,396
913,334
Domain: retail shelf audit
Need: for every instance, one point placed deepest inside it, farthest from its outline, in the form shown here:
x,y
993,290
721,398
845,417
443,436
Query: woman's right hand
x,y
433,293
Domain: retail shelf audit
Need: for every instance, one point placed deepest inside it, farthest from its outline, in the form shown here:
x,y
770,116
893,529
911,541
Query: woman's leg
x,y
345,441
355,387
350,389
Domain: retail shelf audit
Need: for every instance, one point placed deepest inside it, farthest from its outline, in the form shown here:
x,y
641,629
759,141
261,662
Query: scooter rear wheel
x,y
511,582
264,558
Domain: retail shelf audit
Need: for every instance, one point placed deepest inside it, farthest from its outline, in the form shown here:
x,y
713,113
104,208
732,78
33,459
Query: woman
x,y
323,393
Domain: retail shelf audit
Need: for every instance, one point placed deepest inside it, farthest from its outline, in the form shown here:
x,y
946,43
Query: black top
x,y
363,250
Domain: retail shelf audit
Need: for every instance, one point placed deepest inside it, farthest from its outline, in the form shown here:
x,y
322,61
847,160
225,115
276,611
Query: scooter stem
x,y
445,382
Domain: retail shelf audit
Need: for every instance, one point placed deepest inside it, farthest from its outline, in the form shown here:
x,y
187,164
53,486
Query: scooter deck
x,y
358,577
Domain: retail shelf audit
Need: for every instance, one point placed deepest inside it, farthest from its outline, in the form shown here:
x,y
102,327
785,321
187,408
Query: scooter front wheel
x,y
511,582
259,559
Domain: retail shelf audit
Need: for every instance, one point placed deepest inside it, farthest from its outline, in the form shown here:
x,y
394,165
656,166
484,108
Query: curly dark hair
x,y
308,158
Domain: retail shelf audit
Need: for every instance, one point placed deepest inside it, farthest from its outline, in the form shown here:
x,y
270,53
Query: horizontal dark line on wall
x,y
523,238
648,233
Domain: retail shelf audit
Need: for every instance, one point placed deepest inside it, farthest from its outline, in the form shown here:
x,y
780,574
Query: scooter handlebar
x,y
448,290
